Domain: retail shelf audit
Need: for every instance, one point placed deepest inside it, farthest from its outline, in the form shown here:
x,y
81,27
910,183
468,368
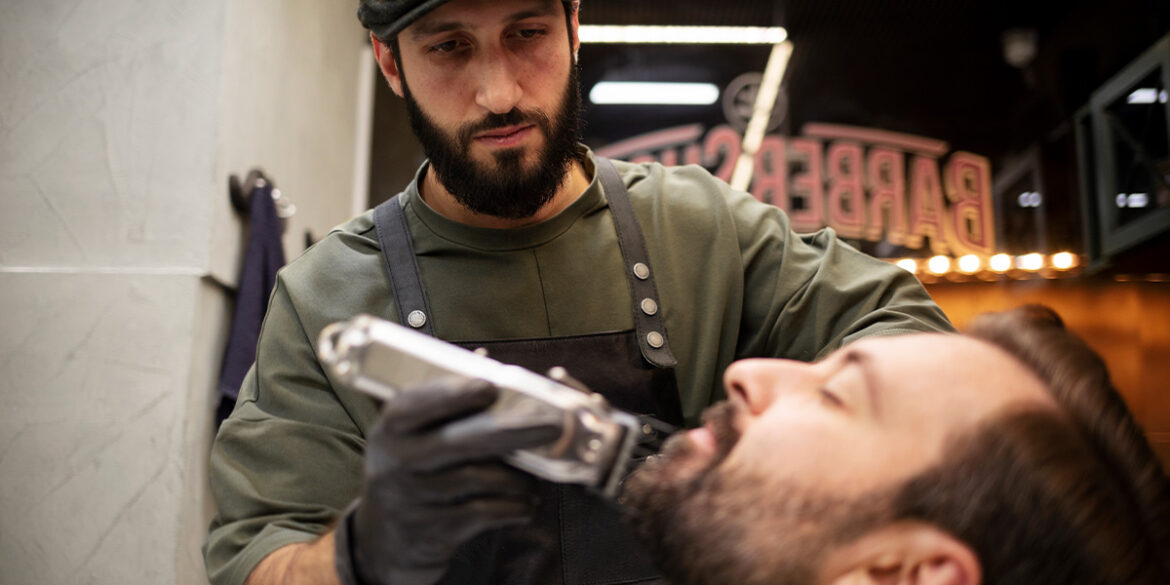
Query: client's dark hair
x,y
1046,497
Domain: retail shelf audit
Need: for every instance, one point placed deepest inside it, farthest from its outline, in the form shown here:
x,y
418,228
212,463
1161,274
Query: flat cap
x,y
387,18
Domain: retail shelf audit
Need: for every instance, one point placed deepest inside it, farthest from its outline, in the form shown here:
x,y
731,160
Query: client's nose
x,y
760,382
756,382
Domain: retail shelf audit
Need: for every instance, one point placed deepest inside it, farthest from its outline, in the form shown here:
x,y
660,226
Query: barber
x,y
645,282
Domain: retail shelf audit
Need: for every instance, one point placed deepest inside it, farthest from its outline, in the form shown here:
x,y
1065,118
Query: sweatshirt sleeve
x,y
289,458
808,294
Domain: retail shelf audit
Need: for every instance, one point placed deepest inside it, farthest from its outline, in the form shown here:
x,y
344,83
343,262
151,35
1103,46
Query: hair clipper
x,y
599,443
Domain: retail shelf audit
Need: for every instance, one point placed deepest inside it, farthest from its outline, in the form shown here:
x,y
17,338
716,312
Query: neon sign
x,y
865,183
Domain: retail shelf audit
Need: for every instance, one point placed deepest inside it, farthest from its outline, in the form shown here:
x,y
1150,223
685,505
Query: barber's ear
x,y
904,554
385,58
574,27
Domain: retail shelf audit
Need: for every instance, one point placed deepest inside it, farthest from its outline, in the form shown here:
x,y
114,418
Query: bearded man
x,y
643,281
858,470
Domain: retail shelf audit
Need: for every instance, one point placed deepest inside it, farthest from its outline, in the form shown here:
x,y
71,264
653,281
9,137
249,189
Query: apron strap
x,y
649,325
401,265
648,321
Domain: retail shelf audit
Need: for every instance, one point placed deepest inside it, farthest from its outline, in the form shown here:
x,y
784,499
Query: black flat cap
x,y
387,18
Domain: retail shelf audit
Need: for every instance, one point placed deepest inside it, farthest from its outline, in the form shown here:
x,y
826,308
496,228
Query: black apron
x,y
576,538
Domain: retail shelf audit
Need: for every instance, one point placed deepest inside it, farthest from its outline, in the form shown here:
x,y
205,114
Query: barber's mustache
x,y
514,117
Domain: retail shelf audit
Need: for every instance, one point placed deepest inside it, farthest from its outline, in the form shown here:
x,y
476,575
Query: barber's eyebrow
x,y
424,29
432,28
865,361
547,9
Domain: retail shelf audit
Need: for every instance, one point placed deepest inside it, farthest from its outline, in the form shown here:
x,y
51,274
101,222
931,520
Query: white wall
x,y
119,123
291,77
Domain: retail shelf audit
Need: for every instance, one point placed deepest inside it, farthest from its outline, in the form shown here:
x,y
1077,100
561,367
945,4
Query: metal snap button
x,y
649,306
416,319
641,271
655,339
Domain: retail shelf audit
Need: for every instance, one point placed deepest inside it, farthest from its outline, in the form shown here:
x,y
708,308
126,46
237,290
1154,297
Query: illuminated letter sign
x,y
865,183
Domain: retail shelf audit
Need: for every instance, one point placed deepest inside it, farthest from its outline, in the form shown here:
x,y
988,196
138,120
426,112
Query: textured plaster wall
x,y
92,417
291,77
119,123
108,114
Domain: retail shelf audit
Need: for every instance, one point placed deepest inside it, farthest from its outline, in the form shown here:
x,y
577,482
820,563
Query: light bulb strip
x,y
973,265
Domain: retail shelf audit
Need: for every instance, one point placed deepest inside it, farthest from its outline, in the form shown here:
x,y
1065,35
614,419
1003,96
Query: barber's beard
x,y
716,524
505,187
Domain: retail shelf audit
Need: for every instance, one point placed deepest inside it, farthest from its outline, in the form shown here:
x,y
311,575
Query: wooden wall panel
x,y
1127,323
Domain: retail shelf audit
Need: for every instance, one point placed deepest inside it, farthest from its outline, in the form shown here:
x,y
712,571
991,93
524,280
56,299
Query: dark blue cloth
x,y
263,256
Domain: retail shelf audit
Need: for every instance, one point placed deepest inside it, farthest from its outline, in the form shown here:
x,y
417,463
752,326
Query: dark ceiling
x,y
929,67
934,68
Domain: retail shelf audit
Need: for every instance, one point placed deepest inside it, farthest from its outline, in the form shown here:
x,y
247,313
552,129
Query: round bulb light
x,y
1000,262
939,264
1063,260
1033,261
969,264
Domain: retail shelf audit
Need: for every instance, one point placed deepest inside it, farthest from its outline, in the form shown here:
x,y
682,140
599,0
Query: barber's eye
x,y
530,33
831,399
447,47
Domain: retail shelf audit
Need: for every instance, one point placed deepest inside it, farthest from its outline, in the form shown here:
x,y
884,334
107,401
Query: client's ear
x,y
907,553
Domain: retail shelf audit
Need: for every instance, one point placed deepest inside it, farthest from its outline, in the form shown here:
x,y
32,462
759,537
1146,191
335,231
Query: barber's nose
x,y
499,91
759,382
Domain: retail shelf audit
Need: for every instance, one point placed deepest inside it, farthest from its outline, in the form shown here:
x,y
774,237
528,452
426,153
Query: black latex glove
x,y
434,479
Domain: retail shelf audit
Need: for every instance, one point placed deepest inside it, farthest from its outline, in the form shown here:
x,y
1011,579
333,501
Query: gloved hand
x,y
434,478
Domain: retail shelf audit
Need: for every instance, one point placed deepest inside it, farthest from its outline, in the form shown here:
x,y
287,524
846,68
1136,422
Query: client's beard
x,y
505,189
720,524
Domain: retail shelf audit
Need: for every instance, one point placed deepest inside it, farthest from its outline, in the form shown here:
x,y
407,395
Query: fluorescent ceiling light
x,y
1146,95
753,136
640,92
687,35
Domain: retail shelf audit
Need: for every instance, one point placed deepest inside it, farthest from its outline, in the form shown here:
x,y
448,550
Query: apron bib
x,y
575,537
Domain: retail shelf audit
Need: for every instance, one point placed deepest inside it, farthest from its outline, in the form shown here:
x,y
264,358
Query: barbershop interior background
x,y
1042,127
